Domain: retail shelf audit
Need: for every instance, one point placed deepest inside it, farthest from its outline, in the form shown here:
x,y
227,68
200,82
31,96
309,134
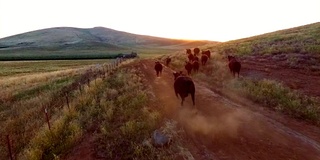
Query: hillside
x,y
290,56
303,39
62,38
92,43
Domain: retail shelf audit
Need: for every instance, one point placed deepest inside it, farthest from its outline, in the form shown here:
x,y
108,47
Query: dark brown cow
x,y
183,86
191,57
188,51
196,51
207,52
188,67
177,74
168,60
195,66
234,65
158,67
195,58
204,59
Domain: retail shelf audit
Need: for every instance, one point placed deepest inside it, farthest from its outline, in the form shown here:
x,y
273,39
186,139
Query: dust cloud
x,y
224,125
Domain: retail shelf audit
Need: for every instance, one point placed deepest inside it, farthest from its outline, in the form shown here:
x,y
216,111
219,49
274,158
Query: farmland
x,y
99,109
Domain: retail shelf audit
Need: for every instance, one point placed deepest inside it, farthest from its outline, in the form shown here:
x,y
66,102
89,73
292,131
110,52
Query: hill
x,y
290,56
302,39
62,38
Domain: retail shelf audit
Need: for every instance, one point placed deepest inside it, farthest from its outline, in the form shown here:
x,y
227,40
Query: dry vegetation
x,y
117,108
268,92
24,97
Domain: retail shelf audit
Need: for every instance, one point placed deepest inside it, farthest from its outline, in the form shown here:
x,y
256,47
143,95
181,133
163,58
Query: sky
x,y
216,20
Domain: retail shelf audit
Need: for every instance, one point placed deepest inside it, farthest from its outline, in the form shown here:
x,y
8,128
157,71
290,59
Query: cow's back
x,y
158,67
184,85
234,65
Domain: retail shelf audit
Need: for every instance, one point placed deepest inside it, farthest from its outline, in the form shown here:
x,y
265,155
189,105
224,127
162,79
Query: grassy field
x,y
94,53
119,101
27,88
12,68
119,109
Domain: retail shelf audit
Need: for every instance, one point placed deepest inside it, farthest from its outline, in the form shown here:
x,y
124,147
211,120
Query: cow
x,y
188,51
191,57
183,86
207,52
195,58
234,65
168,60
158,67
188,67
195,66
204,59
196,51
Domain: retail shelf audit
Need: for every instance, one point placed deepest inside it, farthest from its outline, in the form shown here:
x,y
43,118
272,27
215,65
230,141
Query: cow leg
x,y
182,99
192,96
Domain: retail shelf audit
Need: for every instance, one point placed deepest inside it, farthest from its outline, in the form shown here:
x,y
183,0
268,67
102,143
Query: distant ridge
x,y
78,38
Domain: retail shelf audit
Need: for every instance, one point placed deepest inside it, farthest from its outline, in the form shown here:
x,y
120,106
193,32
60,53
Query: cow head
x,y
231,57
177,74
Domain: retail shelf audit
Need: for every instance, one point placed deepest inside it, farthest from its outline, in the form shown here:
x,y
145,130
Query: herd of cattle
x,y
183,84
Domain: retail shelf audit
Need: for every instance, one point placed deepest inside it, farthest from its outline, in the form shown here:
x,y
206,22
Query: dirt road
x,y
219,128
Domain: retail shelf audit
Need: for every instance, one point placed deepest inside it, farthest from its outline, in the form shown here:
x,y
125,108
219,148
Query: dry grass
x,y
118,106
22,104
12,84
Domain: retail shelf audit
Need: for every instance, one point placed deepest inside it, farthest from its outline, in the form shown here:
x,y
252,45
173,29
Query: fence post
x,y
104,73
67,101
80,88
47,117
9,147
